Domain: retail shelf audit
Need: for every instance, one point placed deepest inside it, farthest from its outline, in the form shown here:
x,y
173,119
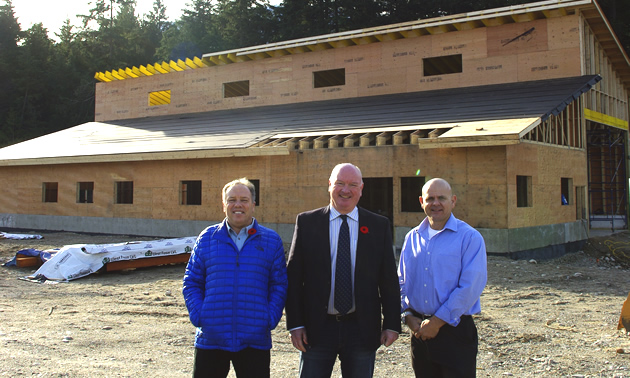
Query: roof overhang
x,y
149,156
439,135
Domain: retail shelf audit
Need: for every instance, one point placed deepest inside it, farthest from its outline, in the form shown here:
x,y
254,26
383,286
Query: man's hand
x,y
388,337
429,328
413,323
299,339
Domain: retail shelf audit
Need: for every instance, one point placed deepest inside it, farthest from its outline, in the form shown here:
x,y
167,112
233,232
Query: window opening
x,y
442,65
257,186
50,190
236,89
190,192
523,191
160,98
85,192
410,191
124,192
566,189
329,78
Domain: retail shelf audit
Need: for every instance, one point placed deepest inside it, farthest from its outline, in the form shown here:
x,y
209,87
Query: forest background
x,y
47,82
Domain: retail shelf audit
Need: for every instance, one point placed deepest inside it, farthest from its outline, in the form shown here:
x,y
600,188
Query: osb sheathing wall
x,y
536,50
546,166
483,179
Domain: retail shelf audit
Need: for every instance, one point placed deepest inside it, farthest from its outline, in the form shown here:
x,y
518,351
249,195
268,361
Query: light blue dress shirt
x,y
239,239
443,275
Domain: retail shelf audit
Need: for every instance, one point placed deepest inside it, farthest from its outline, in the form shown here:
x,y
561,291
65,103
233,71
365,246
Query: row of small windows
x,y
190,192
442,65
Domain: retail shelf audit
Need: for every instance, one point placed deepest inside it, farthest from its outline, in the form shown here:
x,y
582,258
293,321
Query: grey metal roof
x,y
230,132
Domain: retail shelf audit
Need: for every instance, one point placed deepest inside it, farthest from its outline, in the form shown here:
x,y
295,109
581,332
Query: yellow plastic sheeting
x,y
159,98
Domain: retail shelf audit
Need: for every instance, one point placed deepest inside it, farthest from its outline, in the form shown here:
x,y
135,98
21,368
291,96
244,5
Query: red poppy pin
x,y
364,230
251,231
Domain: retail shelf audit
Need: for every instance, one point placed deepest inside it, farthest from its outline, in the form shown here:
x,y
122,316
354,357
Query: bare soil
x,y
552,318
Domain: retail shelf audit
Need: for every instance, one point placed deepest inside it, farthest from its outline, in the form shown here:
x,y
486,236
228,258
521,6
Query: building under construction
x,y
523,109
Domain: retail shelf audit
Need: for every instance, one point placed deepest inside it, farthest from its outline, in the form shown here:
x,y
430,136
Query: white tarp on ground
x,y
79,260
5,235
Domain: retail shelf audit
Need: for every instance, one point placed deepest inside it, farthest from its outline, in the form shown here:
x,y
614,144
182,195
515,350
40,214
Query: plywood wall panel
x,y
299,182
549,64
535,50
356,59
491,70
517,38
486,166
377,83
546,165
470,43
563,32
482,205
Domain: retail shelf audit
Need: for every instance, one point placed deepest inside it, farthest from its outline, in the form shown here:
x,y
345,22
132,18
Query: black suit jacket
x,y
309,271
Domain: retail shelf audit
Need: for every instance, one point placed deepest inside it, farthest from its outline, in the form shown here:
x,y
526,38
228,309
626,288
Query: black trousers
x,y
451,354
215,363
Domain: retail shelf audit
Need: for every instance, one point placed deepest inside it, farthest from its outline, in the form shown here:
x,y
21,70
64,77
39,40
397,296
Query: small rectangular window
x,y
236,89
566,189
124,192
410,191
160,98
523,191
329,78
442,65
257,186
85,192
49,192
190,192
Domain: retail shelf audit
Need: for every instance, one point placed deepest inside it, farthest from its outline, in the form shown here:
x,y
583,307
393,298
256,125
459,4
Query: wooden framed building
x,y
524,109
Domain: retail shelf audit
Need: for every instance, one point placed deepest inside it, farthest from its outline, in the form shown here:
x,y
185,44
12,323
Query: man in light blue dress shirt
x,y
442,273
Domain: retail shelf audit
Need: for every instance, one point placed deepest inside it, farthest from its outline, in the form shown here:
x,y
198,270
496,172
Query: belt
x,y
419,315
343,318
426,316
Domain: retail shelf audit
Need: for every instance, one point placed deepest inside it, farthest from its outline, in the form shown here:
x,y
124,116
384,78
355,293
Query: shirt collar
x,y
354,214
451,224
247,228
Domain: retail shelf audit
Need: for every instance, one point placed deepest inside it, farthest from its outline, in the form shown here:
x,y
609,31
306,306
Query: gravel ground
x,y
552,318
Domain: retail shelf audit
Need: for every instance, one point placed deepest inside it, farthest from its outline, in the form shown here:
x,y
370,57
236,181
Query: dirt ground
x,y
553,318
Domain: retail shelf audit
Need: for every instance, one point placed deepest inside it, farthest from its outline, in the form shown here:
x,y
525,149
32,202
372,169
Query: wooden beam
x,y
146,262
27,261
350,140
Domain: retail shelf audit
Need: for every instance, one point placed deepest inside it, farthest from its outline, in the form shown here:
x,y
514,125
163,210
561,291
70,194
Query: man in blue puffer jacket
x,y
235,288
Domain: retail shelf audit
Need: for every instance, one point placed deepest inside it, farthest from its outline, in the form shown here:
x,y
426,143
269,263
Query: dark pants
x,y
341,339
451,354
215,363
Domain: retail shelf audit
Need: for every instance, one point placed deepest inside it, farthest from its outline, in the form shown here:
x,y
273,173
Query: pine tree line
x,y
48,84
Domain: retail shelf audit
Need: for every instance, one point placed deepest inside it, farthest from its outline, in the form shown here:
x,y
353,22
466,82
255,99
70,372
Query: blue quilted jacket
x,y
235,298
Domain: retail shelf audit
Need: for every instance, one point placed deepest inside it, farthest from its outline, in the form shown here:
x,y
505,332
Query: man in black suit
x,y
342,275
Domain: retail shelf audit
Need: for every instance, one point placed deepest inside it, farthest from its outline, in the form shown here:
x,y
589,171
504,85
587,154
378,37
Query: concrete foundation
x,y
541,242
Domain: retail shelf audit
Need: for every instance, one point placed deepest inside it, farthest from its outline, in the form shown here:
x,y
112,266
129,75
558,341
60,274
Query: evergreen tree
x,y
10,36
193,35
46,86
242,23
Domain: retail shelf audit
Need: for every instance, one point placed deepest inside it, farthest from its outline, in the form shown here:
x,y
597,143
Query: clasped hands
x,y
425,329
